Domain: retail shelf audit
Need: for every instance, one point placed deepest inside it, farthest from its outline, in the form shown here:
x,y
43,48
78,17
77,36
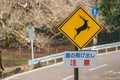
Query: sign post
x,y
32,50
80,28
76,70
31,38
95,13
76,73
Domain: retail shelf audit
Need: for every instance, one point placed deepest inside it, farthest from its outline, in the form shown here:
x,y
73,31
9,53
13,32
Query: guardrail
x,y
100,49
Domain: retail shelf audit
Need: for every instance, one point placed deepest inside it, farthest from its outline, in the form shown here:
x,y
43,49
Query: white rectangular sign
x,y
79,59
31,33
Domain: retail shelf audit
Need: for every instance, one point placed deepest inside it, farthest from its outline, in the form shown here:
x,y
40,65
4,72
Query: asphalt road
x,y
108,68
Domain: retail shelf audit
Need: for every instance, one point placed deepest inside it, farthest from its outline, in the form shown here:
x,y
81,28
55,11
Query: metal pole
x,y
95,41
76,74
76,70
31,38
32,52
95,5
32,49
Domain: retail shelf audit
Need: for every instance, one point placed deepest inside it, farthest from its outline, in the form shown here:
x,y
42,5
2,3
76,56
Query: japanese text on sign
x,y
80,58
79,55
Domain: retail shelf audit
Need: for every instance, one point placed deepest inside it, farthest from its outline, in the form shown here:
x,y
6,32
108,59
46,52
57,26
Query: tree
x,y
110,10
1,62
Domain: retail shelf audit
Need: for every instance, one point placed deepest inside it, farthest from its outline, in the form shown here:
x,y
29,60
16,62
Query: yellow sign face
x,y
80,28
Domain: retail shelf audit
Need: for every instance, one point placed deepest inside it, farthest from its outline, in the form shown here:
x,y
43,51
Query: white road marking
x,y
89,70
68,77
98,67
52,66
33,71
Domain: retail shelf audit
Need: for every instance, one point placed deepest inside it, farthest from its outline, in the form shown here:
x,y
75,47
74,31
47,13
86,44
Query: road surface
x,y
108,68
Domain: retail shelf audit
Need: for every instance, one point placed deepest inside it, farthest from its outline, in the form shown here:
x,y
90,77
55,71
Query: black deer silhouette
x,y
83,27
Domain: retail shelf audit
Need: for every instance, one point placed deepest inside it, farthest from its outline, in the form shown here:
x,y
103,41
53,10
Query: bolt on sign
x,y
80,28
80,59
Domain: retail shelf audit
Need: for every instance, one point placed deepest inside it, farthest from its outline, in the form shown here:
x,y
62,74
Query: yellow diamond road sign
x,y
80,28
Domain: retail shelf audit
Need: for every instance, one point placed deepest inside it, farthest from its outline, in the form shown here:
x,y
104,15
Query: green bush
x,y
110,10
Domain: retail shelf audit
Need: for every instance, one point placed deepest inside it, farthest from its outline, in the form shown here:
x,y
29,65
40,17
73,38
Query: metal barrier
x,y
100,49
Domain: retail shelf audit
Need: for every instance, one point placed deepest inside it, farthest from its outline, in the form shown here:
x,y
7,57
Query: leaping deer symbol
x,y
83,27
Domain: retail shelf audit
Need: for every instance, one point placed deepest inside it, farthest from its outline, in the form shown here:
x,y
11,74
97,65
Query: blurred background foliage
x,y
110,10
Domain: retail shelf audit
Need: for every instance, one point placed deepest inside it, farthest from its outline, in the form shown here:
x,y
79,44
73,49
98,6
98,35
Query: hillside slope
x,y
45,15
